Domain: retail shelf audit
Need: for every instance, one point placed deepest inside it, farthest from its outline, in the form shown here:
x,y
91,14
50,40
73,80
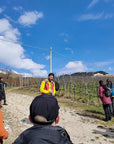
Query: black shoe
x,y
106,120
1,106
110,118
5,104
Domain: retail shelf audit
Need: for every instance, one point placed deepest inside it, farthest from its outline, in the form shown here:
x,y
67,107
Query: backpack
x,y
56,86
107,92
112,91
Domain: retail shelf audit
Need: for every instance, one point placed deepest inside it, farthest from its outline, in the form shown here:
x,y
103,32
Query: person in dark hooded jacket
x,y
44,114
2,91
109,83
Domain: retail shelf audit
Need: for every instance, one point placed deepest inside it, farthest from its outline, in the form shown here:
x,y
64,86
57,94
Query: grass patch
x,y
111,141
96,137
32,91
89,110
92,140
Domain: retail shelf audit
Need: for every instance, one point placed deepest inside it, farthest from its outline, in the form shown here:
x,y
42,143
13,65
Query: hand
x,y
51,91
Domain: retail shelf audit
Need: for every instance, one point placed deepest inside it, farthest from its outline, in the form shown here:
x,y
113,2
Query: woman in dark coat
x,y
2,91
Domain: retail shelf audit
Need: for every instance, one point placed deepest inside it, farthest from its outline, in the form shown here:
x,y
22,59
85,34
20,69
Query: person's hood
x,y
46,135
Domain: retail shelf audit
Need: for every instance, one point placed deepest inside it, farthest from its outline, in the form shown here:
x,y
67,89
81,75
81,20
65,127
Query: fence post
x,y
74,91
64,85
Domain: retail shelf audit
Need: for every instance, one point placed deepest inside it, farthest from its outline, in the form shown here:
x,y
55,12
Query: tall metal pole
x,y
50,59
93,68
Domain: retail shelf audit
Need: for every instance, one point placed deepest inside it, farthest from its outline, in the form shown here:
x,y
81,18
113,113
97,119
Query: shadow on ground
x,y
95,112
106,132
26,120
92,114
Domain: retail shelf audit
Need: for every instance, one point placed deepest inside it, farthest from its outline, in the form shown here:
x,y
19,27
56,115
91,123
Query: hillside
x,y
83,74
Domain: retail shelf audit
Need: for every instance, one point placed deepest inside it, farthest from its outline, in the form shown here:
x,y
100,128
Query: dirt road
x,y
83,130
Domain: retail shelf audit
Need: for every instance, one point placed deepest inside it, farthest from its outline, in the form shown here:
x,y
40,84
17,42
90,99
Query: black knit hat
x,y
46,106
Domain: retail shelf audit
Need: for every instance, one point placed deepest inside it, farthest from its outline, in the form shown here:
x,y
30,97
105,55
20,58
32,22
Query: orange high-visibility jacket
x,y
3,132
46,86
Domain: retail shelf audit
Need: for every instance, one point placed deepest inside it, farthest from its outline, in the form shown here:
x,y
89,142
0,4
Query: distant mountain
x,y
101,72
88,73
13,72
82,74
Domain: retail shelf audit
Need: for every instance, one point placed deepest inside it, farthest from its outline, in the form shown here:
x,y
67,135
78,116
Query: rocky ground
x,y
83,130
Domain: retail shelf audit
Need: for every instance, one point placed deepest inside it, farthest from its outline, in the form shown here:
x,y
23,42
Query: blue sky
x,y
80,32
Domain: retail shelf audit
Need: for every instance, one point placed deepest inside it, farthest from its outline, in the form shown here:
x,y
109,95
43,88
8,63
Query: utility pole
x,y
50,59
93,69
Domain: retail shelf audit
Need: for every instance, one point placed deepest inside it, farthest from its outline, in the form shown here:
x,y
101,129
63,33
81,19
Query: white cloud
x,y
65,36
1,10
18,8
102,64
47,57
69,49
86,17
12,54
94,2
30,18
9,18
28,34
108,16
65,40
108,1
8,31
110,68
73,66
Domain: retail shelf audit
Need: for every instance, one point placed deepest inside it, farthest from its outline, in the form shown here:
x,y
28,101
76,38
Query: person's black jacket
x,y
1,86
44,135
2,91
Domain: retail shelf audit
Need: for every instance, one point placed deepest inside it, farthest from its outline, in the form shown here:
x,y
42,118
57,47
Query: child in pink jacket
x,y
106,101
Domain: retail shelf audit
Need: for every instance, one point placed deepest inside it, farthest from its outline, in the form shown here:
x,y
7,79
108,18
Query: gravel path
x,y
83,130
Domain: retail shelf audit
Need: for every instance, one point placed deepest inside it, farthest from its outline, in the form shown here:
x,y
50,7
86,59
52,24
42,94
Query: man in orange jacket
x,y
48,86
3,132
